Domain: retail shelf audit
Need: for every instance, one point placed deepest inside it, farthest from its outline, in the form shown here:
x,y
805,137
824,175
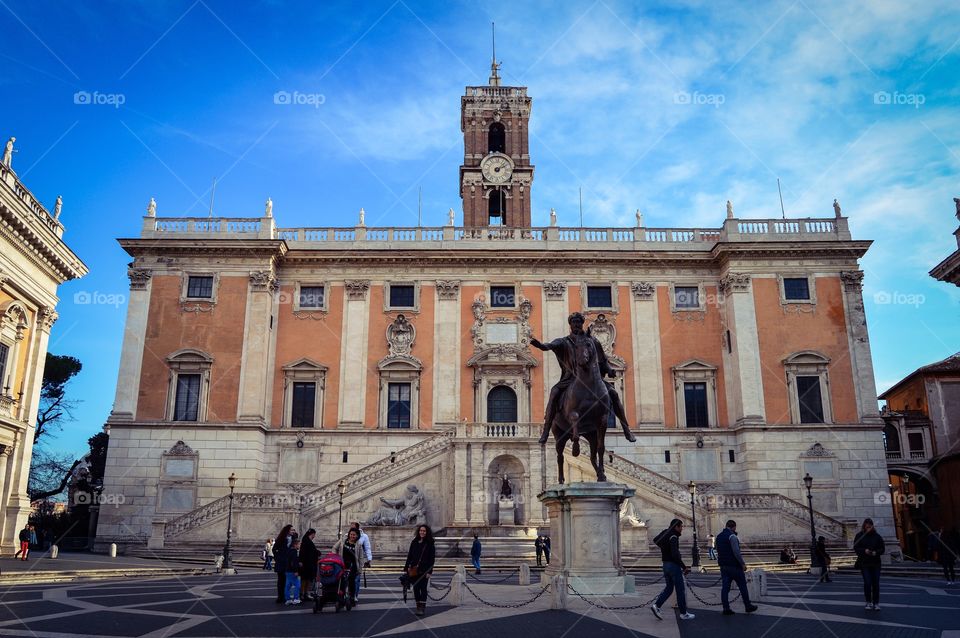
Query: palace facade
x,y
328,367
34,261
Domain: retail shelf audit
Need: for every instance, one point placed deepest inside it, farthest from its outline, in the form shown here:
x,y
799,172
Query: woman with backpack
x,y
419,566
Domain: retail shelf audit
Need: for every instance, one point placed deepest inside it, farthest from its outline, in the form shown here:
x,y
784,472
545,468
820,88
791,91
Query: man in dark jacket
x,y
538,545
674,569
732,568
475,553
868,545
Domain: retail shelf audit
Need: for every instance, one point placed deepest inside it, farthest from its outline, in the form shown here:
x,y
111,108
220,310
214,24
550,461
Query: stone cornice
x,y
257,248
39,245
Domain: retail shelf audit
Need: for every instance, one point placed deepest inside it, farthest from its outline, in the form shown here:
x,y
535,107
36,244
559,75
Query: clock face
x,y
496,168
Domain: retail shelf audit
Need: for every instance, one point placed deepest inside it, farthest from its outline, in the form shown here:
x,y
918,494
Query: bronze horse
x,y
586,404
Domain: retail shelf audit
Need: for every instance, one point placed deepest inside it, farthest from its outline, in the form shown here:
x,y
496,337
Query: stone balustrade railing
x,y
19,191
826,525
543,238
498,430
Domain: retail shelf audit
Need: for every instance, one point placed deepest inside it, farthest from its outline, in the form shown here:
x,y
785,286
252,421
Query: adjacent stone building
x,y
297,358
34,260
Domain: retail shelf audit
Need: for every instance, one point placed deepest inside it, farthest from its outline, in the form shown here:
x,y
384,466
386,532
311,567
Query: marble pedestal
x,y
585,536
506,511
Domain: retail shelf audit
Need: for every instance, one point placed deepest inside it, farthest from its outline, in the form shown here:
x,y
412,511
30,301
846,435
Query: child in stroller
x,y
331,584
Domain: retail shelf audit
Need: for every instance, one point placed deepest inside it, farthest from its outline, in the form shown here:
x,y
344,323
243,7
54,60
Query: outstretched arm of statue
x,y
537,344
398,502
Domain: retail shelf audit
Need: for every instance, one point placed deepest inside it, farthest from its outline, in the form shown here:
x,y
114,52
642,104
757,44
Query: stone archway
x,y
518,476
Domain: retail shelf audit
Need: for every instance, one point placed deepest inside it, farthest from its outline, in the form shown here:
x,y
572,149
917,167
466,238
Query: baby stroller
x,y
331,583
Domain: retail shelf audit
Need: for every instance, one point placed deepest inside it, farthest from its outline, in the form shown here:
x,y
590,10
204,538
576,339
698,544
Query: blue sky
x,y
671,108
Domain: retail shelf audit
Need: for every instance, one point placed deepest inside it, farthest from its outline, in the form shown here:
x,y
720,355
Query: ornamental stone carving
x,y
262,281
852,280
817,450
400,336
604,332
181,449
139,278
357,288
4,277
554,289
643,290
448,289
735,282
46,317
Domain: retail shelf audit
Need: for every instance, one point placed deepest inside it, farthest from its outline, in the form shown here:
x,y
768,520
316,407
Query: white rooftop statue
x,y
450,215
362,216
639,219
57,207
8,152
269,207
553,216
729,210
152,208
836,208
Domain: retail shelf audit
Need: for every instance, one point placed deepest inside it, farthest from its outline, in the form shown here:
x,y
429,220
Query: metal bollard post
x,y
456,590
54,551
524,574
113,550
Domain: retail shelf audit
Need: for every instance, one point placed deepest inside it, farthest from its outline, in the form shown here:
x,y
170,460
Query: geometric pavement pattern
x,y
243,606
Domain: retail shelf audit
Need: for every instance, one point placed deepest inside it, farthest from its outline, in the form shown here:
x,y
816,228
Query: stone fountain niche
x,y
506,511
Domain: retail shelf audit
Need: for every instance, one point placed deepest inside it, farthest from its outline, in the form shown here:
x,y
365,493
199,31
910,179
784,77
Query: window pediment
x,y
304,364
694,365
807,357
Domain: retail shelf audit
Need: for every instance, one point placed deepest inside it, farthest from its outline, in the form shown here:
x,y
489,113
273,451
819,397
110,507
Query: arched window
x,y
498,207
502,405
497,138
891,439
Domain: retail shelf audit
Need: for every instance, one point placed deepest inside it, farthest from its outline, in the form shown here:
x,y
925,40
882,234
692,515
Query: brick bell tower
x,y
496,174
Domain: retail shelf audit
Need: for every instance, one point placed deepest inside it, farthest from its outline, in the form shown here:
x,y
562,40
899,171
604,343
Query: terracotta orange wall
x,y
467,295
682,340
377,349
781,334
218,333
624,348
905,398
318,340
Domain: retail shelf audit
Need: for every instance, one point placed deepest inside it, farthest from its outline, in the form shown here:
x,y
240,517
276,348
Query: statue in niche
x,y
408,510
505,490
628,515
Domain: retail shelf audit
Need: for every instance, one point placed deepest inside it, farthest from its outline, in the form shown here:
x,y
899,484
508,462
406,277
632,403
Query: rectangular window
x,y
666,456
695,404
186,406
398,405
811,403
304,405
915,439
4,353
502,297
599,297
687,297
401,296
733,456
200,287
796,289
311,296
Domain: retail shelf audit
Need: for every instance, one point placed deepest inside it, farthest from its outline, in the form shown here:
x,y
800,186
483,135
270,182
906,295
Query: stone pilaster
x,y
446,353
858,341
554,325
353,359
744,382
254,361
648,376
460,492
131,353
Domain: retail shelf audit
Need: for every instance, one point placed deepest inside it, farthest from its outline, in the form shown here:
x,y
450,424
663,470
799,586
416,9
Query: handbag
x,y
414,570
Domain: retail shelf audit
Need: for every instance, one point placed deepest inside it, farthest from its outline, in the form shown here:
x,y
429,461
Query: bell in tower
x,y
496,173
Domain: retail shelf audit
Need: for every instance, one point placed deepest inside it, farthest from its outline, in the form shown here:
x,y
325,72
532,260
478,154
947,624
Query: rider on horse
x,y
565,349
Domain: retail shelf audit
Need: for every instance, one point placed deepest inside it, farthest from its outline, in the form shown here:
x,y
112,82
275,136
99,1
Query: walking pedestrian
x,y
292,587
280,561
538,545
732,568
674,569
349,549
24,537
366,554
268,555
546,548
712,547
33,537
308,564
475,553
820,551
419,566
868,545
946,557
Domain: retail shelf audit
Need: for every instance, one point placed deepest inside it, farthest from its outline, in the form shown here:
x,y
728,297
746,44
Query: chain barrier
x,y
447,593
695,595
508,605
711,586
607,607
644,584
494,582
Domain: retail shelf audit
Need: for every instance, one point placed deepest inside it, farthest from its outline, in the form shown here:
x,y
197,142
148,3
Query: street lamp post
x,y
808,481
227,564
693,511
341,487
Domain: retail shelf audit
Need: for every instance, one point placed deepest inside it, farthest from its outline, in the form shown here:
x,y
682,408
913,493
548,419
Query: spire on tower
x,y
494,67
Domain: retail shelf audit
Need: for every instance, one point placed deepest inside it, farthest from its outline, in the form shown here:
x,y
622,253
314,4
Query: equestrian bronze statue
x,y
580,402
